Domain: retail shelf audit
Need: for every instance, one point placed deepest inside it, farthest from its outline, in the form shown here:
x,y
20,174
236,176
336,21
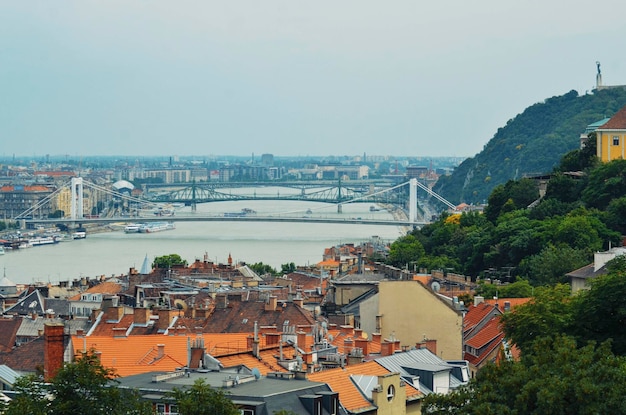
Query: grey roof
x,y
32,303
146,268
587,272
34,328
411,363
365,383
267,394
8,375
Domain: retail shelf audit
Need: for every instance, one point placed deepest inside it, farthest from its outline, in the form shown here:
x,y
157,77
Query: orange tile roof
x,y
106,287
111,329
488,339
514,302
489,332
136,354
617,121
339,380
475,314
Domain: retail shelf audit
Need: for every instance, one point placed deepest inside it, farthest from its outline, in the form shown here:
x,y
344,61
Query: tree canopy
x,y
200,398
168,261
81,387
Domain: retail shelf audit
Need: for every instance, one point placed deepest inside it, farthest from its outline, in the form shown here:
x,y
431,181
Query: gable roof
x,y
617,121
32,303
8,332
136,354
484,342
106,287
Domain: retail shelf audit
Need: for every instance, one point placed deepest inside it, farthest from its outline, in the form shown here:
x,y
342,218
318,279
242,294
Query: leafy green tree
x,y
405,251
518,289
616,214
548,313
262,269
600,312
556,378
554,261
168,261
606,182
288,268
200,399
32,397
81,387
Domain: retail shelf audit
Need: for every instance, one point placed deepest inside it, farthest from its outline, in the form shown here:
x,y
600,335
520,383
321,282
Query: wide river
x,y
113,253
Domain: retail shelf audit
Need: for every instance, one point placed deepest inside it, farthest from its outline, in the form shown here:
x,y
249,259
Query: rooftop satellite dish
x,y
180,304
435,286
256,373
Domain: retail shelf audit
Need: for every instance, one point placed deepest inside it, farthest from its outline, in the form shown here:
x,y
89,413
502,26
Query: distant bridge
x,y
194,194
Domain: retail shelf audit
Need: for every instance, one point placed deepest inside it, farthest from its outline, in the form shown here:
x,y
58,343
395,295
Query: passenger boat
x,y
156,227
132,228
43,240
79,235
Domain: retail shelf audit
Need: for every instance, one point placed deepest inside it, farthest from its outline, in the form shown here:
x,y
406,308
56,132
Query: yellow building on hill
x,y
611,138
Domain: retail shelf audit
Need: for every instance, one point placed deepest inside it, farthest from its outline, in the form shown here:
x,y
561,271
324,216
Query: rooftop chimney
x,y
54,337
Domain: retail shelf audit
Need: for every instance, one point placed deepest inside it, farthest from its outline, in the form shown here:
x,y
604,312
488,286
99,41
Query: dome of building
x,y
121,185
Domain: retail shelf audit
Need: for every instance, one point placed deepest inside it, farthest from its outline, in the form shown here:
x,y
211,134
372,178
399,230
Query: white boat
x,y
1,250
79,235
42,240
156,227
132,227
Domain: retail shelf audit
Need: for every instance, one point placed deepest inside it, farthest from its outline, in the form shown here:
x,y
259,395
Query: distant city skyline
x,y
406,78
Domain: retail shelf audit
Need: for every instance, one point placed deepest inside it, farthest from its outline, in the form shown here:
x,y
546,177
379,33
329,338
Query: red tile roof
x,y
136,354
617,121
8,331
350,395
102,288
476,314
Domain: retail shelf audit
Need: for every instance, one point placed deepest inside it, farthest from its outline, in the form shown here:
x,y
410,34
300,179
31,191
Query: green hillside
x,y
531,143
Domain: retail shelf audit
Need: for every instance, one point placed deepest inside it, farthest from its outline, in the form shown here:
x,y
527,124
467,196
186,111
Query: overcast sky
x,y
177,77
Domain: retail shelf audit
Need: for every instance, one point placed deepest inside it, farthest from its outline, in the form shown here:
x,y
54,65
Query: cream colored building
x,y
410,312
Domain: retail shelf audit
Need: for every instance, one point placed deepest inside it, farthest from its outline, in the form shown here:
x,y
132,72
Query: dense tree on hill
x,y
531,143
405,251
557,377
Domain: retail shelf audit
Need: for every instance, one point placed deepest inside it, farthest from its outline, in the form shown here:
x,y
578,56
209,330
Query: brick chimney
x,y
347,330
54,336
272,338
141,316
363,344
302,340
165,318
387,348
428,344
272,303
114,313
376,337
298,302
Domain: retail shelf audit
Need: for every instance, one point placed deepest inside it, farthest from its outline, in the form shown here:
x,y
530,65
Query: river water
x,y
113,253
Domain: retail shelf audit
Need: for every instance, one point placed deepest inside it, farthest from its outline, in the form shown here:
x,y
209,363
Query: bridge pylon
x,y
76,210
413,200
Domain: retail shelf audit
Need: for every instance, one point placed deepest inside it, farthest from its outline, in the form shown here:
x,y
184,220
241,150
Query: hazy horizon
x,y
160,78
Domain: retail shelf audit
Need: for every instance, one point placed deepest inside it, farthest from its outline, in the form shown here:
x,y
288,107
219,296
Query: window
x,y
247,411
391,391
616,140
160,408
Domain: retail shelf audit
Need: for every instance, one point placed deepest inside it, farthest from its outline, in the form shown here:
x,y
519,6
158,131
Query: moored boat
x,y
132,227
79,235
152,227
